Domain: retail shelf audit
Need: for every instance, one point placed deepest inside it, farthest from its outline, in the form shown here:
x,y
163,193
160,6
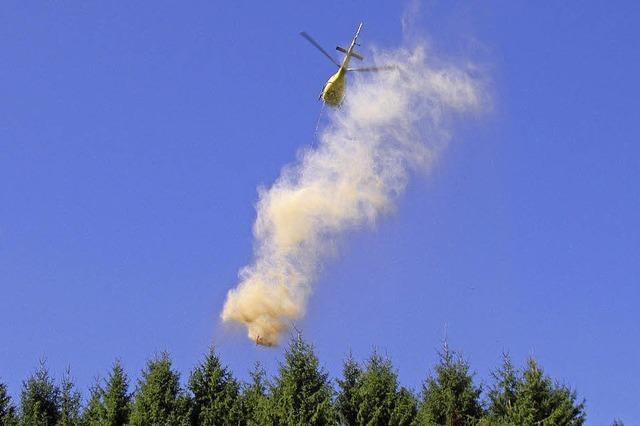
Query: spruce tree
x,y
94,412
39,399
405,410
540,401
449,397
8,415
377,393
301,394
216,394
159,400
116,397
347,400
502,395
69,402
255,409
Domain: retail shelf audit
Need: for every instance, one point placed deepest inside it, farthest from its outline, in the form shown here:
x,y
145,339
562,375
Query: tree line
x,y
301,393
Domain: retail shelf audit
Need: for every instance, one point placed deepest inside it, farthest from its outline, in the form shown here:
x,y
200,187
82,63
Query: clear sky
x,y
133,137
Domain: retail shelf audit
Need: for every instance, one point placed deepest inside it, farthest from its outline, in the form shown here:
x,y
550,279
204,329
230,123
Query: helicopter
x,y
332,93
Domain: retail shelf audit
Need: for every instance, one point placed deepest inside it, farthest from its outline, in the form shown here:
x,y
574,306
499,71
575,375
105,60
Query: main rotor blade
x,y
374,69
315,43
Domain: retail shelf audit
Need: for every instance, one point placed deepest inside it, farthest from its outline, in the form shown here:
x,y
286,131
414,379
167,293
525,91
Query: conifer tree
x,y
405,410
377,392
69,402
159,400
539,401
301,394
216,394
116,398
94,412
347,400
8,415
449,397
254,398
502,395
39,399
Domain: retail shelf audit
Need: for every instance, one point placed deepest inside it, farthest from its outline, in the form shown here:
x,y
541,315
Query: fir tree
x,y
116,398
502,395
450,398
216,394
301,394
347,400
159,400
39,399
69,402
94,412
405,410
539,401
254,398
376,392
7,409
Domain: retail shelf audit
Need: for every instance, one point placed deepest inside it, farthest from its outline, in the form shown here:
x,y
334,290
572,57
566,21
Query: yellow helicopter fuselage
x,y
333,91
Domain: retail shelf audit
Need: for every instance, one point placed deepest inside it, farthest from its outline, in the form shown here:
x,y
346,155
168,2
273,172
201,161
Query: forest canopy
x,y
301,393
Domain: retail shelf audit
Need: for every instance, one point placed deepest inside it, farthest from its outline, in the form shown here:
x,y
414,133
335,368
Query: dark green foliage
x,y
379,402
159,400
347,400
116,397
502,395
216,394
69,402
39,399
449,397
405,410
181,413
255,406
94,412
371,397
617,422
301,394
533,400
109,406
8,415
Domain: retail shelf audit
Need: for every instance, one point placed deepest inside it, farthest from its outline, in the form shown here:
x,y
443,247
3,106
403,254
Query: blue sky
x,y
133,138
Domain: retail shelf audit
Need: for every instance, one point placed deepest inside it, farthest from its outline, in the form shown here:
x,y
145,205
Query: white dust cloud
x,y
391,123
